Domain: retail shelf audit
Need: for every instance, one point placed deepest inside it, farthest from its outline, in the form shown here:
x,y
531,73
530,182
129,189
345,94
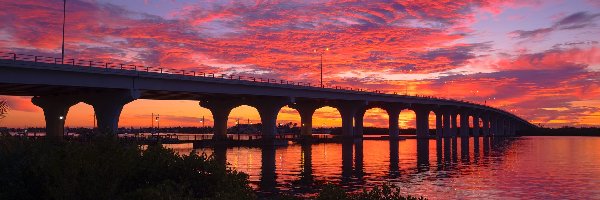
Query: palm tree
x,y
3,108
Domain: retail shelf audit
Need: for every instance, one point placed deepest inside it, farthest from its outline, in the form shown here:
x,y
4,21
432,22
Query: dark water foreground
x,y
525,167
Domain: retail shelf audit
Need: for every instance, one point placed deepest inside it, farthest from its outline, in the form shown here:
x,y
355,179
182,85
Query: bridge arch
x,y
376,117
288,121
243,119
80,115
326,117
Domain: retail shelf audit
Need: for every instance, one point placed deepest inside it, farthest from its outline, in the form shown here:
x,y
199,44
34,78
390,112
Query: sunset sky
x,y
539,59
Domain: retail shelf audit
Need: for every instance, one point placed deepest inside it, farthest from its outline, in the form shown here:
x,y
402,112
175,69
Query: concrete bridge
x,y
56,86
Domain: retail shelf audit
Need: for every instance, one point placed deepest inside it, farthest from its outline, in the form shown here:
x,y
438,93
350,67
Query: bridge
x,y
57,84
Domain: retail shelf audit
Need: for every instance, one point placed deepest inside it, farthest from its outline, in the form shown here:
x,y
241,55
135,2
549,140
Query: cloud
x,y
20,104
576,20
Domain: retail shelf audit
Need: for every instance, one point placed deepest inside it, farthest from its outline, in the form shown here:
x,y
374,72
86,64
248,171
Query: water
x,y
526,167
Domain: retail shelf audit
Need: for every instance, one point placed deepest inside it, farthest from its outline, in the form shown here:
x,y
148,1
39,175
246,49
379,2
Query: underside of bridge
x,y
108,104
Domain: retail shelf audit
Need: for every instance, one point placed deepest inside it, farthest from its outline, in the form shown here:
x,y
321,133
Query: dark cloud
x,y
577,20
537,33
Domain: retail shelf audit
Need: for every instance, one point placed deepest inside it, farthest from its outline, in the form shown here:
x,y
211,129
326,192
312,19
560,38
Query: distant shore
x,y
289,129
564,131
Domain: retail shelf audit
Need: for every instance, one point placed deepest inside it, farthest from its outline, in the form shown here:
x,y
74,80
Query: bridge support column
x,y
438,125
348,110
486,125
476,127
447,126
393,111
513,128
108,107
454,126
493,126
268,109
464,125
55,112
422,125
358,122
507,128
306,110
220,109
501,127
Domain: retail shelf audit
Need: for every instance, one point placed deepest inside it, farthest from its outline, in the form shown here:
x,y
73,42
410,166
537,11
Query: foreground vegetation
x,y
104,168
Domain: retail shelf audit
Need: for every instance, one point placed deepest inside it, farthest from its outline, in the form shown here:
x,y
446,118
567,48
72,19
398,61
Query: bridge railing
x,y
182,72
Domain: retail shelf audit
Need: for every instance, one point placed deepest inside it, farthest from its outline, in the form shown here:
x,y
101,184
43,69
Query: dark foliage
x,y
107,169
385,192
104,168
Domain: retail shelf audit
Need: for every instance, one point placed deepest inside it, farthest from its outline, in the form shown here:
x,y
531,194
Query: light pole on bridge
x,y
321,53
62,53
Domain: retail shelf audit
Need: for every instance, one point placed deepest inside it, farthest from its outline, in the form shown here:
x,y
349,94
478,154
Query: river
x,y
521,168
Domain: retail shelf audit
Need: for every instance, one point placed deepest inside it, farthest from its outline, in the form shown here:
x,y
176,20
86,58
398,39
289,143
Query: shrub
x,y
385,192
107,169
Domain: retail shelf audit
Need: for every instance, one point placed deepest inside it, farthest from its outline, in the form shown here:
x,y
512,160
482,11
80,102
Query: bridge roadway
x,y
107,87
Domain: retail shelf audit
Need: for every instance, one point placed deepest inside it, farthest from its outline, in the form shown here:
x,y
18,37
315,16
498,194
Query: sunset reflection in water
x,y
527,167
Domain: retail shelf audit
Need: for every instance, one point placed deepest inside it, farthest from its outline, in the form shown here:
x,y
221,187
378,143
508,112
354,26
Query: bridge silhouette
x,y
57,84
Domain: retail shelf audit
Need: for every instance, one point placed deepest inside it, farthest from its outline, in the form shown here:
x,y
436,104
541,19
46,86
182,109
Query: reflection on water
x,y
527,167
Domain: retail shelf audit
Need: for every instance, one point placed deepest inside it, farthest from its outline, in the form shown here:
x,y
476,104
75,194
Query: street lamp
x,y
202,121
157,119
62,52
321,53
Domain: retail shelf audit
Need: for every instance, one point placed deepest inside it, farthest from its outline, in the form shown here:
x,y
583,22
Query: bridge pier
x,y
447,127
464,125
493,126
268,109
422,125
476,126
348,110
513,129
358,122
501,127
108,107
507,128
55,109
454,126
220,109
486,125
306,111
438,125
393,110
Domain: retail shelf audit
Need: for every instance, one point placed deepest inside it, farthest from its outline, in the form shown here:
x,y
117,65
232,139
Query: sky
x,y
539,59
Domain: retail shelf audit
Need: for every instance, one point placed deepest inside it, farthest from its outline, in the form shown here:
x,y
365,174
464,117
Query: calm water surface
x,y
526,167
